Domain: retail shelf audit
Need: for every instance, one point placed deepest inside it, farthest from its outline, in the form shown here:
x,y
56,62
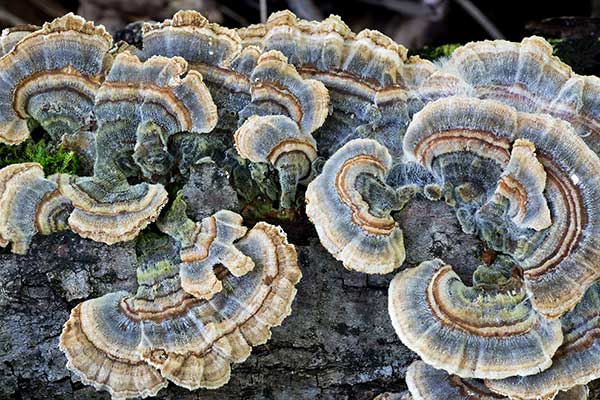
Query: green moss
x,y
433,53
53,160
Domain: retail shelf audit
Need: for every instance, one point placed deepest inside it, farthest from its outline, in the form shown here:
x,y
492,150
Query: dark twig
x,y
263,11
481,19
10,18
306,9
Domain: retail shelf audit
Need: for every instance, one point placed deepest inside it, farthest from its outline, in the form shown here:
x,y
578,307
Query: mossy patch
x,y
53,160
433,53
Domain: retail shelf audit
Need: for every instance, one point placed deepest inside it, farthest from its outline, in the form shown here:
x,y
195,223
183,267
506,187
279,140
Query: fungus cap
x,y
277,139
29,204
368,75
205,247
347,225
427,383
576,362
522,183
11,36
523,75
467,331
141,105
110,216
466,140
212,245
51,76
162,332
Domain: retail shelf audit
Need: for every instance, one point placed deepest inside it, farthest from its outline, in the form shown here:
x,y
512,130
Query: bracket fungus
x,y
51,76
109,214
276,139
29,204
350,206
468,331
162,333
577,360
11,36
468,141
245,83
369,77
523,75
206,246
427,383
522,183
504,132
138,107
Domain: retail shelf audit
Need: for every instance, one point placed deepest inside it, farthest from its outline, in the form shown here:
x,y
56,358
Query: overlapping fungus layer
x,y
455,137
469,332
51,75
164,333
494,131
342,203
523,75
370,79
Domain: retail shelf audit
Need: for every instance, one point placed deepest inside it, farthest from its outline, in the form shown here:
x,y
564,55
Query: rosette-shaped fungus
x,y
243,82
107,213
427,383
576,362
247,83
205,246
164,333
51,76
278,140
369,77
29,204
471,332
350,206
526,76
466,141
138,107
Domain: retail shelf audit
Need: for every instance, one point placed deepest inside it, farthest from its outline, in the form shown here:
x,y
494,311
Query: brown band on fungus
x,y
472,332
373,225
498,148
436,301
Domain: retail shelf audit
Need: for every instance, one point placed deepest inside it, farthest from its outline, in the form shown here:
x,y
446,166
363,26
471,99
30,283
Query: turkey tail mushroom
x,y
29,204
206,246
109,214
370,79
51,76
522,183
577,360
469,331
163,333
350,206
139,106
277,140
467,142
427,383
11,36
523,75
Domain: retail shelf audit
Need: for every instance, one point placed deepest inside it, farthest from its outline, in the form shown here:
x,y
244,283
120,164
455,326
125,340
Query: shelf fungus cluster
x,y
528,185
525,76
132,344
505,133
